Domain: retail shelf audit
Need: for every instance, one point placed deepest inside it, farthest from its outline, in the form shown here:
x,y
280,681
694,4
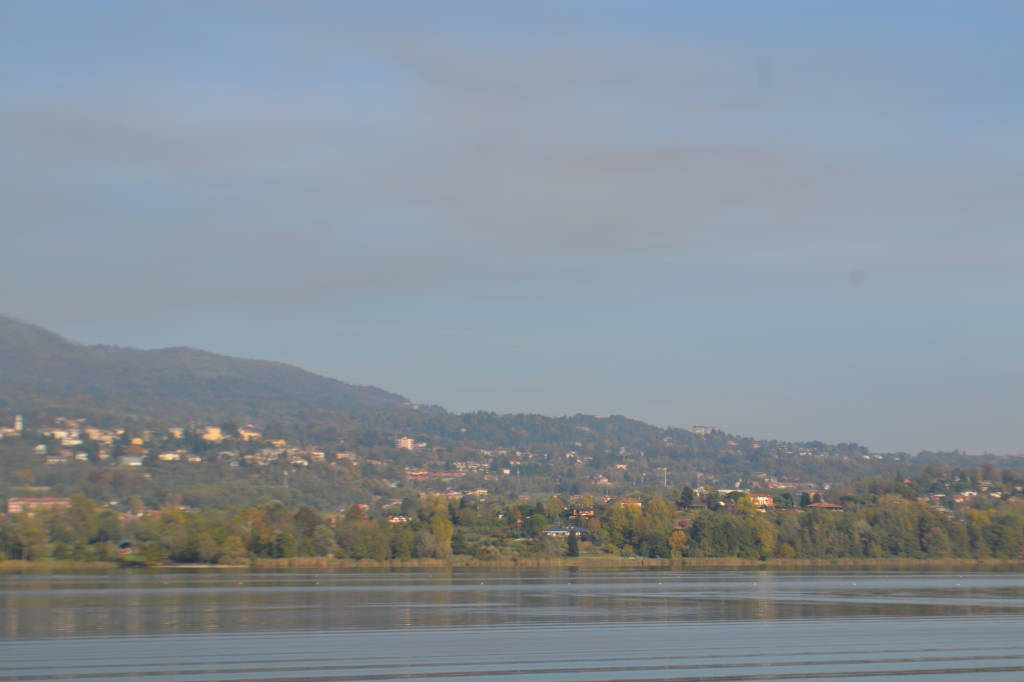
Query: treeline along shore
x,y
438,531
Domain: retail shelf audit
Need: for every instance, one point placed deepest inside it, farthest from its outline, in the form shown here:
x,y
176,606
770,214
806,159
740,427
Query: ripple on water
x,y
535,625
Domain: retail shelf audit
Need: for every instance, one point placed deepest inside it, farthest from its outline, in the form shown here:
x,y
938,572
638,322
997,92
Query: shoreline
x,y
595,562
637,562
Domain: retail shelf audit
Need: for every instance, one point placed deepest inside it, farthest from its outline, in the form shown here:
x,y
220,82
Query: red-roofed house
x,y
16,505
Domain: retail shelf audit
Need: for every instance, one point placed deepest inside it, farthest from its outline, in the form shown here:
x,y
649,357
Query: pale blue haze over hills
x,y
794,220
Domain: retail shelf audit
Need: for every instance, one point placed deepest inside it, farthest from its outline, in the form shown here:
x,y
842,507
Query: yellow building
x,y
249,434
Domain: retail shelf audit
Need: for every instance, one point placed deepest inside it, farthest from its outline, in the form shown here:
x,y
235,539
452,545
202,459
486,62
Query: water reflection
x,y
571,625
185,601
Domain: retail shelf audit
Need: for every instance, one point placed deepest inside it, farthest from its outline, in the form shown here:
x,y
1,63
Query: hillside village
x,y
234,494
113,422
65,440
409,466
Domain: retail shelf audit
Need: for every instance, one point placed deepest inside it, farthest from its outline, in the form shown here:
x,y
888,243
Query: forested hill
x,y
43,375
43,372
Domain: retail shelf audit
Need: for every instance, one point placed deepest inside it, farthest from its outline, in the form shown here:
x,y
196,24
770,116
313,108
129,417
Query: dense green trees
x,y
85,531
888,525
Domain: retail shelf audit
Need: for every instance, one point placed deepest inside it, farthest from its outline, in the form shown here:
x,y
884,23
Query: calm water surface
x,y
565,624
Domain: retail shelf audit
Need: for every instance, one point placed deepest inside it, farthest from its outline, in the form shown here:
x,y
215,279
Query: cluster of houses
x,y
34,505
461,469
70,440
67,440
981,489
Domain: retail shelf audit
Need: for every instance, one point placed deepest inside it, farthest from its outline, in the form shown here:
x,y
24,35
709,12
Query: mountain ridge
x,y
43,375
40,369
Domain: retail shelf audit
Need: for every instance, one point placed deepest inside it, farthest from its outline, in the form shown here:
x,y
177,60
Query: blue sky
x,y
790,220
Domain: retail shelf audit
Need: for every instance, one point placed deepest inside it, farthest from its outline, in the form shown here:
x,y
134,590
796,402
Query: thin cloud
x,y
372,156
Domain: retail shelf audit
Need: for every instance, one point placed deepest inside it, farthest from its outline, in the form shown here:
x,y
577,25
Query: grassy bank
x,y
593,561
19,565
462,562
639,562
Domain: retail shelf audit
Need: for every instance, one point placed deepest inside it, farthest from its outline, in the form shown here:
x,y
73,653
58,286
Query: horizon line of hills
x,y
44,374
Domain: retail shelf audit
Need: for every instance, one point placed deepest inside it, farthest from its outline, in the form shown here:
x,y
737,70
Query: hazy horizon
x,y
791,221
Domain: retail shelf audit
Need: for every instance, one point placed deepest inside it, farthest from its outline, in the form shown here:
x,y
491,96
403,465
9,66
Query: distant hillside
x,y
41,371
44,375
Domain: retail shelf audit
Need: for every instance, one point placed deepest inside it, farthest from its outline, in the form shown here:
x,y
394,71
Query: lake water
x,y
566,624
